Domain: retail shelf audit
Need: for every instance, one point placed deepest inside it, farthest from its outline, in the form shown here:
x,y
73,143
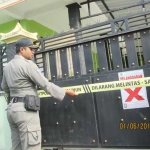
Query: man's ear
x,y
21,49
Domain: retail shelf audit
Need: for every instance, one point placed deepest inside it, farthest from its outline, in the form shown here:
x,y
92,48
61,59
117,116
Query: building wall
x,y
29,25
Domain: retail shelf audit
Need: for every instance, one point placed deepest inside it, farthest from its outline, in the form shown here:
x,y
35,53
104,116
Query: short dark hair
x,y
17,49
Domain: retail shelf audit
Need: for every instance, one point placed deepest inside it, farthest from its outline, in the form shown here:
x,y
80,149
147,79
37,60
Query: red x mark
x,y
134,94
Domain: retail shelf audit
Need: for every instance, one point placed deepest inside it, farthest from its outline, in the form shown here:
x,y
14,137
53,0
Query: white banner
x,y
133,97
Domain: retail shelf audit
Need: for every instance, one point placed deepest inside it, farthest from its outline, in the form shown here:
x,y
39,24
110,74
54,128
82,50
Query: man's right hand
x,y
71,93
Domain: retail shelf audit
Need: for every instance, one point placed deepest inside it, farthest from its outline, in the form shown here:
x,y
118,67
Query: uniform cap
x,y
25,42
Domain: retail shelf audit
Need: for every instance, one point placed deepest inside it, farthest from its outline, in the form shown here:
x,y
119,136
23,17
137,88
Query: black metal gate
x,y
71,122
101,117
94,54
120,127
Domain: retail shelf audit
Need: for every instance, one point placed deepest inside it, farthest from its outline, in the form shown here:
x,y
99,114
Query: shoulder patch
x,y
34,66
38,70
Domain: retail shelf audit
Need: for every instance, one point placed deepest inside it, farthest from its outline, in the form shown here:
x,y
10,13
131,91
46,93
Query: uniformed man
x,y
20,78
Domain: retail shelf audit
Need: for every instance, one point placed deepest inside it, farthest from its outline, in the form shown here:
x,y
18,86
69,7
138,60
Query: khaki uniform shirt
x,y
21,77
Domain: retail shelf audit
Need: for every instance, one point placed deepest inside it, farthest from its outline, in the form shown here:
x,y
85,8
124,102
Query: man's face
x,y
27,52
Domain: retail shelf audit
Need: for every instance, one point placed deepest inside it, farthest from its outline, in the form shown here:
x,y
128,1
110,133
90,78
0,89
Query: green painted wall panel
x,y
7,27
29,25
43,31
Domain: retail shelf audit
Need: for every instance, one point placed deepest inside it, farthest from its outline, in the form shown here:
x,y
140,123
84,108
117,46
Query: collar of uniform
x,y
19,57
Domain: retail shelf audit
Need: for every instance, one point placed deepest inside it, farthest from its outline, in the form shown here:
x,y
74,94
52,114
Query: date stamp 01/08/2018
x,y
134,126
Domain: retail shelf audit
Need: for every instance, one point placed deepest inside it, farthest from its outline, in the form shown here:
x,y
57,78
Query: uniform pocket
x,y
34,137
34,132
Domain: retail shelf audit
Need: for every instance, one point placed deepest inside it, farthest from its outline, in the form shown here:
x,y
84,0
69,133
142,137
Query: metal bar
x,y
38,58
88,58
80,38
145,36
143,7
74,15
115,10
126,24
39,63
3,51
10,52
102,58
138,19
135,46
138,15
108,53
44,58
105,5
76,61
64,62
112,27
131,50
146,20
116,53
53,67
121,26
94,39
5,56
140,59
123,55
89,8
79,34
138,25
97,30
4,62
44,64
89,2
